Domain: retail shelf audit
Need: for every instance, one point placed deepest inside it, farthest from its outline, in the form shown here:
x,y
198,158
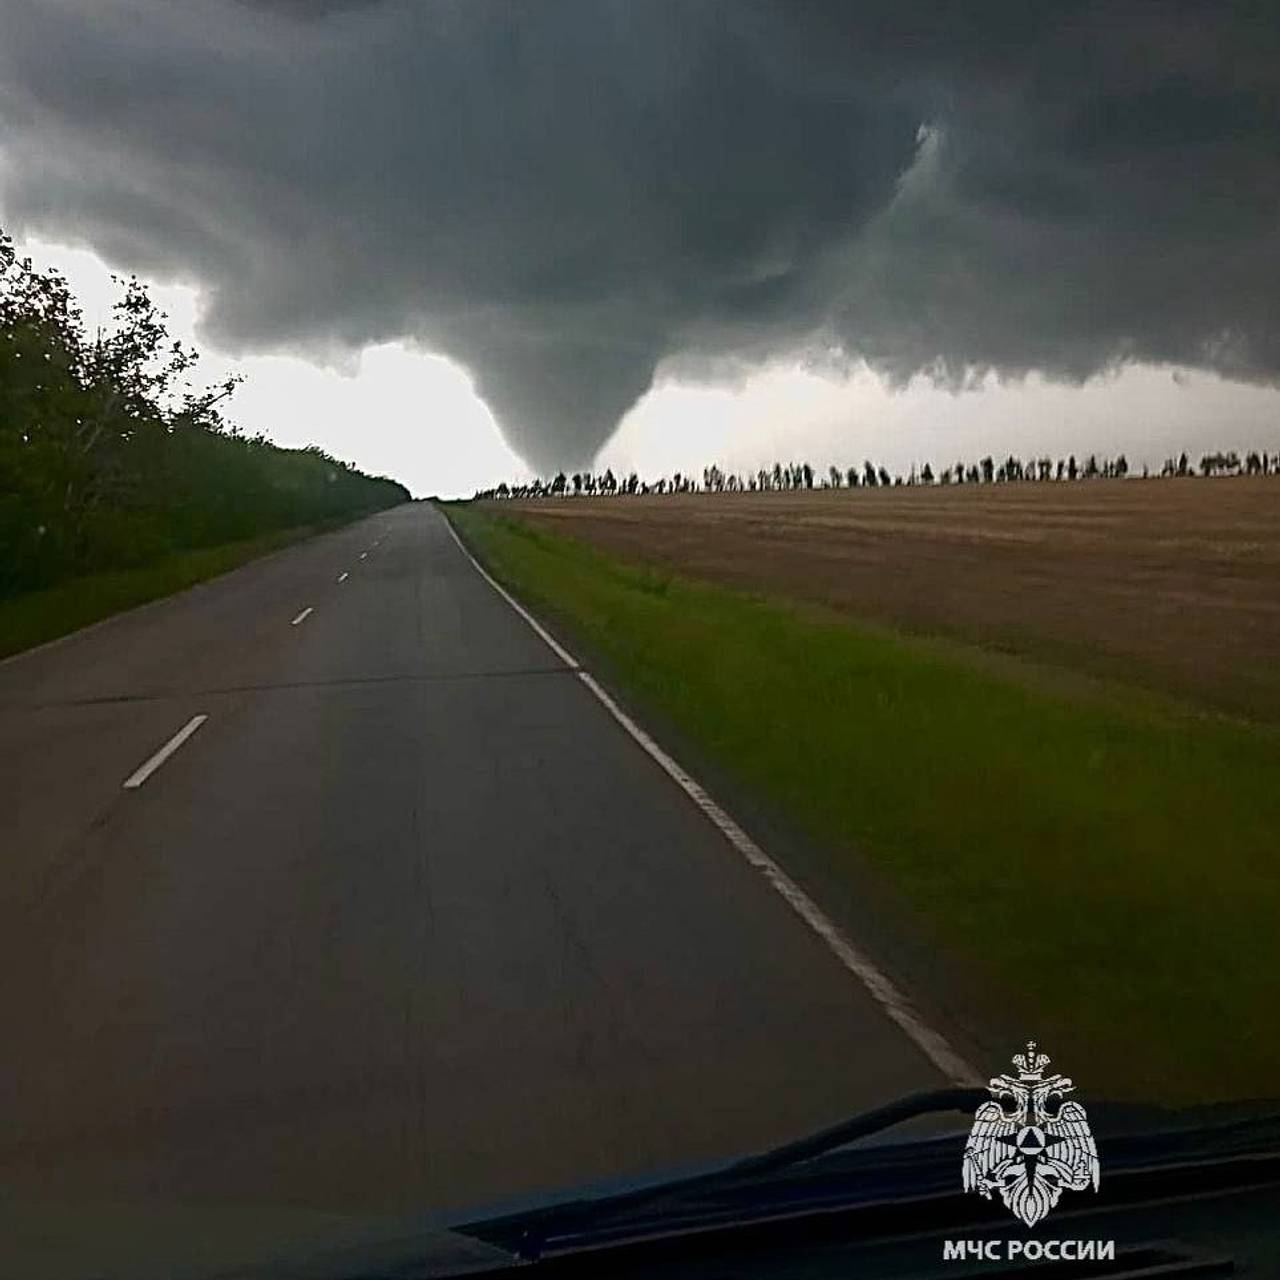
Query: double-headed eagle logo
x,y
1027,1143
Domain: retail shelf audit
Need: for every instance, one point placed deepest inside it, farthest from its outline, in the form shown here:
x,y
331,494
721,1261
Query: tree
x,y
112,454
1213,464
926,474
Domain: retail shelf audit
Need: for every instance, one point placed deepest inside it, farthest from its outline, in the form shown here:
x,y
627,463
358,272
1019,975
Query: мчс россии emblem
x,y
1027,1143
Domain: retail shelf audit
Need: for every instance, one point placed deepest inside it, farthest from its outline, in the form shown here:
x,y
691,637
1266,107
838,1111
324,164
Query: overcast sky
x,y
452,241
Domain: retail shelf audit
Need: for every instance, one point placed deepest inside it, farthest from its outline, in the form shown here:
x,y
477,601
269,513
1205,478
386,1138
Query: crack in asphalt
x,y
444,677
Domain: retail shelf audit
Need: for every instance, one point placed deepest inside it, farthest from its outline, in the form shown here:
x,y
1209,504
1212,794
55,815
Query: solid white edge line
x,y
882,989
302,617
146,769
543,634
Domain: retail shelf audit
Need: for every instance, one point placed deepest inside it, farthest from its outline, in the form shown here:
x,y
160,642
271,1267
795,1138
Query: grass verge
x,y
38,616
1107,865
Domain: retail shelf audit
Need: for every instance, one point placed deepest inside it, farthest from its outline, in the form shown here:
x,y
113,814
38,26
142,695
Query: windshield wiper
x,y
533,1229
1147,1148
863,1125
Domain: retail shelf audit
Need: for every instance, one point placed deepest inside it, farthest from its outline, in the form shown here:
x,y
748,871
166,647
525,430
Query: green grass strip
x,y
38,616
1107,864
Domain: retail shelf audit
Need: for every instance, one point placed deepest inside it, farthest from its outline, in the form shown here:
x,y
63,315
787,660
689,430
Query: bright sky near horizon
x,y
416,416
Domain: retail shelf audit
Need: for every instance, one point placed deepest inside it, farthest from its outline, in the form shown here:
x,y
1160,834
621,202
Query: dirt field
x,y
1174,584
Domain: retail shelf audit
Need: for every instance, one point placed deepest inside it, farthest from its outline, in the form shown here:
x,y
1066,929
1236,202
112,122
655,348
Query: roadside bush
x,y
110,455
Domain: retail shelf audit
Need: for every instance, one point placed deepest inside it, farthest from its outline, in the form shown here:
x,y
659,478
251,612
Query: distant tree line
x,y
801,475
111,457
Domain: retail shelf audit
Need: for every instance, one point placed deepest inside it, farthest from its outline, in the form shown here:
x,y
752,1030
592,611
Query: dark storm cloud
x,y
562,195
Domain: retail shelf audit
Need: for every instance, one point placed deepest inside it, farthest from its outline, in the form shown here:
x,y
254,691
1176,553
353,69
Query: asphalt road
x,y
408,922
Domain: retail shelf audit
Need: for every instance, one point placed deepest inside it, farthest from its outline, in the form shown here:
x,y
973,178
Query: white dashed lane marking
x,y
148,767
